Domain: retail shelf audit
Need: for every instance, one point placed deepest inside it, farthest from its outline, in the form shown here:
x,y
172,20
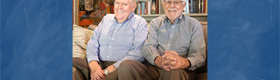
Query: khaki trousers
x,y
81,71
133,70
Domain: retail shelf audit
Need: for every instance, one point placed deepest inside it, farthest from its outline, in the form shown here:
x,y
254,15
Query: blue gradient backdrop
x,y
243,40
36,39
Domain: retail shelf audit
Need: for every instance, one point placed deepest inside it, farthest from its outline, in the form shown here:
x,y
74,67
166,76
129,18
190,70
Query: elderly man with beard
x,y
174,48
118,37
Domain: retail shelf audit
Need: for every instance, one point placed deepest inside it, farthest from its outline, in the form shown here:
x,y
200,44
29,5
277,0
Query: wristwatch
x,y
106,72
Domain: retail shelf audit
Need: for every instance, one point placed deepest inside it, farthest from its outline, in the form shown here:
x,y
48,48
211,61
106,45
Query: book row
x,y
192,6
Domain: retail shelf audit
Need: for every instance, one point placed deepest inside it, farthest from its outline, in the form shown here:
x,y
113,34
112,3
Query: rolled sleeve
x,y
93,45
197,50
150,57
149,50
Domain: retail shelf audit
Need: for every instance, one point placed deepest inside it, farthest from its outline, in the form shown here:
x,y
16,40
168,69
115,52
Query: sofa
x,y
82,35
201,73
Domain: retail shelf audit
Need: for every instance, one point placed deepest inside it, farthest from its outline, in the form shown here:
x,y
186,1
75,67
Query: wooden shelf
x,y
198,16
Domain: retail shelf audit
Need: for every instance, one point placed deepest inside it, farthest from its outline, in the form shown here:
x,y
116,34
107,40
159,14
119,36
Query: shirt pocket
x,y
163,38
183,43
103,39
125,39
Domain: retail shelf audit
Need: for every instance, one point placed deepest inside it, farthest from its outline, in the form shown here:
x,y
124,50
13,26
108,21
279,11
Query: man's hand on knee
x,y
168,60
181,63
97,75
96,72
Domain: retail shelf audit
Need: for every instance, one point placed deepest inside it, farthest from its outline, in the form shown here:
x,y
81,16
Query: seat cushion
x,y
201,76
204,27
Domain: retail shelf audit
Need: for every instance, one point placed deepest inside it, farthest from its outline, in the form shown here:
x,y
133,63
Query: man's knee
x,y
77,60
80,62
172,71
175,74
127,64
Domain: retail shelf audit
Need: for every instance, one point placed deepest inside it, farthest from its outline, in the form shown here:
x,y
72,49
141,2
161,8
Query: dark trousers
x,y
81,69
133,70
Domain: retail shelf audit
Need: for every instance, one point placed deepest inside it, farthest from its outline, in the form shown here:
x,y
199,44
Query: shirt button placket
x,y
171,37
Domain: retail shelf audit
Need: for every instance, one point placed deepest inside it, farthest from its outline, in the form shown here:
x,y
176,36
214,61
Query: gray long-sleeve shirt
x,y
185,37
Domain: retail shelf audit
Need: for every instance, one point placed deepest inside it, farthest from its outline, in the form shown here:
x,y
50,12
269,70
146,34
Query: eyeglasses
x,y
176,3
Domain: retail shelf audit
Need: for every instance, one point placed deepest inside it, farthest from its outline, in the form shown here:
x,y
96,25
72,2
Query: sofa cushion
x,y
204,27
201,76
92,27
80,38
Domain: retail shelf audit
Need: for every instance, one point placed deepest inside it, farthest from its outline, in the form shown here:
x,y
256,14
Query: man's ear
x,y
162,3
133,6
184,5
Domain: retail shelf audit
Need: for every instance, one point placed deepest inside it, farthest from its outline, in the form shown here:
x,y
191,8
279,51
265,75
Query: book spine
x,y
143,8
187,7
149,8
199,8
204,6
146,9
139,8
195,7
192,6
157,6
206,11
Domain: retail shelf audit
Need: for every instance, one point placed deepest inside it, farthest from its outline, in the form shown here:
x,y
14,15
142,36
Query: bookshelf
x,y
76,12
148,18
198,16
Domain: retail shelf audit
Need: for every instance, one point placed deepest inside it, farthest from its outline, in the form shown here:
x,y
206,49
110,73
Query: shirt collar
x,y
129,17
176,21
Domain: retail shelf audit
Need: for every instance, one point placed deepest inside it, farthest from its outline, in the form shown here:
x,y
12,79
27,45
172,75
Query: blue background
x,y
36,40
243,40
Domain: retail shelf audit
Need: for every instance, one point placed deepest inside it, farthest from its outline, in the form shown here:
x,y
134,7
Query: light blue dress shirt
x,y
113,41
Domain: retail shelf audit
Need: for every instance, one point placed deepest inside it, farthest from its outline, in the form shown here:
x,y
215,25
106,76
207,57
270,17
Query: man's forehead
x,y
121,0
